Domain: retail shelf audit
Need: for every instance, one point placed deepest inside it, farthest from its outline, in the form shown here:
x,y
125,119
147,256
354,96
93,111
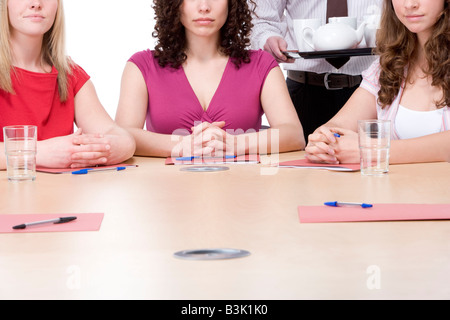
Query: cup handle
x,y
307,33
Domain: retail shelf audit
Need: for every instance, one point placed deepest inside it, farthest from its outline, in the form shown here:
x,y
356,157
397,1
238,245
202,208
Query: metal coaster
x,y
211,254
204,168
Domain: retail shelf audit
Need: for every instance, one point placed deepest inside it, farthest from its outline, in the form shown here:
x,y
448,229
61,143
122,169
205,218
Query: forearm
x,y
153,144
284,138
429,148
360,106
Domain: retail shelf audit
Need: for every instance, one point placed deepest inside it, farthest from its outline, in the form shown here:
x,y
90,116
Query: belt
x,y
331,81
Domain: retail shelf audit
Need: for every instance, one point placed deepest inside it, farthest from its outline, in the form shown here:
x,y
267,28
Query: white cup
x,y
370,32
370,37
299,26
372,20
351,21
374,145
20,150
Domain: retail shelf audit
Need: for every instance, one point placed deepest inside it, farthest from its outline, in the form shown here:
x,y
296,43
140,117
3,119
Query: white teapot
x,y
333,36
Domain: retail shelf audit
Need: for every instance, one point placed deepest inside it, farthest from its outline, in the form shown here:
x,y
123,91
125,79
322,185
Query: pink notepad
x,y
305,163
84,222
249,158
379,212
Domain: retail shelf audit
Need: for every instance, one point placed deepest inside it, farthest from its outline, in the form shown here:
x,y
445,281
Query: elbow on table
x,y
131,147
298,142
302,142
298,138
132,144
126,148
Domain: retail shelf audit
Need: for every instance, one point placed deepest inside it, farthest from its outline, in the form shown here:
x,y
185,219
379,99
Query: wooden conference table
x,y
154,210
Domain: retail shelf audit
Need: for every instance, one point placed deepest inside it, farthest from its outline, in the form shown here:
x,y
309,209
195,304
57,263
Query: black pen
x,y
55,221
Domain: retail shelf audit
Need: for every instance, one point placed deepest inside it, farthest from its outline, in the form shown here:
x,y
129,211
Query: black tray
x,y
329,53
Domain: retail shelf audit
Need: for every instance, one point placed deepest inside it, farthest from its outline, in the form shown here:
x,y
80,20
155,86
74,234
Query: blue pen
x,y
197,157
344,204
223,157
337,135
186,158
86,171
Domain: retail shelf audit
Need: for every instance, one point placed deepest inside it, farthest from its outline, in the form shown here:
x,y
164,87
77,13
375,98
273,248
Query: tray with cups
x,y
340,37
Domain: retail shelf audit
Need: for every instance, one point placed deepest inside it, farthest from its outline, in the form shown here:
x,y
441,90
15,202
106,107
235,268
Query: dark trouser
x,y
315,105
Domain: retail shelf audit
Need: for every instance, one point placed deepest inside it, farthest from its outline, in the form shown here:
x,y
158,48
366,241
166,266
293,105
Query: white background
x,y
102,35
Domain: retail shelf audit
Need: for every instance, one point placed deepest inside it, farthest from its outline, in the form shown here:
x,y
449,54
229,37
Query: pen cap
x,y
82,171
65,219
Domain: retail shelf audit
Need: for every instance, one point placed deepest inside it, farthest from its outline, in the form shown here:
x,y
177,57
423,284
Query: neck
x,y
420,57
27,53
203,49
422,39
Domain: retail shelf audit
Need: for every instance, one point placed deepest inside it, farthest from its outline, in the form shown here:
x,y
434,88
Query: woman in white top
x,y
408,85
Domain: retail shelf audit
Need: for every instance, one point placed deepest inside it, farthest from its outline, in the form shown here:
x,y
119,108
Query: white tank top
x,y
412,124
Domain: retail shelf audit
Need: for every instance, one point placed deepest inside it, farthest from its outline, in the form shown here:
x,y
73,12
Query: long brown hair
x,y
171,41
53,51
397,46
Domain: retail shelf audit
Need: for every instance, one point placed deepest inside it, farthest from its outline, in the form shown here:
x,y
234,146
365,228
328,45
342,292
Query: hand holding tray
x,y
337,58
295,54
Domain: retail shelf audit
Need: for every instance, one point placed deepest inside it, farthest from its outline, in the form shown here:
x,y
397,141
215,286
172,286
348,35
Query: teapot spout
x,y
360,31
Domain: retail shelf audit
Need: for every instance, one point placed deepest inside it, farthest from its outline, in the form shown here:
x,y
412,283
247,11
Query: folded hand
x,y
333,145
207,139
77,150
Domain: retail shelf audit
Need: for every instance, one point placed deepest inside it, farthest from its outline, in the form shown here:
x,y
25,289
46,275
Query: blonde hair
x,y
53,51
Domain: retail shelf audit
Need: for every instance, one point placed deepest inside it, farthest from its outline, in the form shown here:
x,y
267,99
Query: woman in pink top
x,y
200,91
409,85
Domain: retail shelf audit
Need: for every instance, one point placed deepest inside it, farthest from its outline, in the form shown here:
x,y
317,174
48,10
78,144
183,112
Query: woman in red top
x,y
40,85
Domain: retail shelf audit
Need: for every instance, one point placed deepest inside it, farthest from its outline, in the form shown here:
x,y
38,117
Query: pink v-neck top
x,y
173,105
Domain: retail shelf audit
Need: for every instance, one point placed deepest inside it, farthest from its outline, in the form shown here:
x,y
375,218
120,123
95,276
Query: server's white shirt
x,y
275,18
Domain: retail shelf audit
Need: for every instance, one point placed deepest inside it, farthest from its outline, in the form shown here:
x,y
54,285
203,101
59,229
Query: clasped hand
x,y
324,147
207,139
77,150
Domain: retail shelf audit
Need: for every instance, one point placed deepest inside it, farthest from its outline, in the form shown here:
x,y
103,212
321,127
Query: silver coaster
x,y
204,168
211,254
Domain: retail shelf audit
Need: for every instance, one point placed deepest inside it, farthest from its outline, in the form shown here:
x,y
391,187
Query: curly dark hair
x,y
397,47
171,45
